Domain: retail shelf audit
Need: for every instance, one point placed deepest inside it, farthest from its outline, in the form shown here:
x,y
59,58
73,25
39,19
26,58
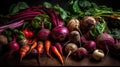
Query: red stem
x,y
25,14
22,18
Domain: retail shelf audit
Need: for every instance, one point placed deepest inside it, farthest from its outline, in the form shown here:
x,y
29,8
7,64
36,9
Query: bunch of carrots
x,y
41,46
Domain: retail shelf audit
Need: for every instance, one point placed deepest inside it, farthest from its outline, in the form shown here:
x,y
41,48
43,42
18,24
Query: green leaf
x,y
98,29
75,7
84,4
47,4
61,11
14,8
36,22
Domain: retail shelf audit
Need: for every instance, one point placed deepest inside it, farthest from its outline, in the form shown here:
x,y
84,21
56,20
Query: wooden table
x,y
46,61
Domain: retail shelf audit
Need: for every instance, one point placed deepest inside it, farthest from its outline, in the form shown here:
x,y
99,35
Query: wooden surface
x,y
46,61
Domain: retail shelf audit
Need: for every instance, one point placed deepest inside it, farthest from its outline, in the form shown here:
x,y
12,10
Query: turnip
x,y
70,48
80,53
98,54
3,40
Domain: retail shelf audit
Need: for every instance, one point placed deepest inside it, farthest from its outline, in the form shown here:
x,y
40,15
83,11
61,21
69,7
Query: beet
x,y
43,34
59,33
80,53
90,45
105,39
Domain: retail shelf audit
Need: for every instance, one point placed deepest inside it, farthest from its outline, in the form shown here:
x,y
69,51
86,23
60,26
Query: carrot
x,y
57,53
23,51
47,48
40,49
32,46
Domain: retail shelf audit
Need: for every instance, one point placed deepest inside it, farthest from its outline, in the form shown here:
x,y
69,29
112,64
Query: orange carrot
x,y
32,46
23,51
57,53
47,46
40,49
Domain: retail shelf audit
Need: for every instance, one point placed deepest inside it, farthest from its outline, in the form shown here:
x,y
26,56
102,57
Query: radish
x,y
27,33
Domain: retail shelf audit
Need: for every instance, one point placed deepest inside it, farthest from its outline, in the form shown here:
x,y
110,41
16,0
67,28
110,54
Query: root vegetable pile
x,y
83,30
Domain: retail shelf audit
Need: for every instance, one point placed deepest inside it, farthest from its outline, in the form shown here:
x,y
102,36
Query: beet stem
x,y
67,42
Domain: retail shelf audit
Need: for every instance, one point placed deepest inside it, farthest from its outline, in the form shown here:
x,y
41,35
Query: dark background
x,y
5,4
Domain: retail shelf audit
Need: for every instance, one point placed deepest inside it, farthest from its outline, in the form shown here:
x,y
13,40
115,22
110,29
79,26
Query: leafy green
x,y
62,12
98,29
47,4
84,4
87,7
36,22
75,7
115,33
14,8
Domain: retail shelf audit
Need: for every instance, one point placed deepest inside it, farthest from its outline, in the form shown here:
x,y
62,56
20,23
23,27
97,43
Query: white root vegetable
x,y
98,54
